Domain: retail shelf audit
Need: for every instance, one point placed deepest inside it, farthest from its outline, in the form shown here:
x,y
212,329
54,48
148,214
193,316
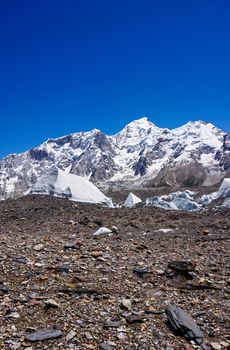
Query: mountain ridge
x,y
197,153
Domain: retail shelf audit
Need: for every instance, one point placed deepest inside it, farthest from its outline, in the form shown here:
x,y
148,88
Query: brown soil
x,y
89,282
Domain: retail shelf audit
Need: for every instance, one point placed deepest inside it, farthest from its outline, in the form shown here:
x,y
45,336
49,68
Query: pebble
x,y
51,303
126,304
38,247
44,334
96,253
215,346
112,323
70,335
106,346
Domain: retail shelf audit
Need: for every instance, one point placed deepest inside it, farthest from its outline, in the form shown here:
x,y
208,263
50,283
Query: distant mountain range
x,y
142,154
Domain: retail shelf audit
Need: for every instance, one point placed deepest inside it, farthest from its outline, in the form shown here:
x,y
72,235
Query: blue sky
x,y
73,65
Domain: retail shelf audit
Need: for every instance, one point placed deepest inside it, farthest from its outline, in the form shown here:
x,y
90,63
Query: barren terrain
x,y
110,291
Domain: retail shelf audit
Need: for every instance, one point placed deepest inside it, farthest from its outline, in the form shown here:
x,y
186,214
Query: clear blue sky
x,y
72,65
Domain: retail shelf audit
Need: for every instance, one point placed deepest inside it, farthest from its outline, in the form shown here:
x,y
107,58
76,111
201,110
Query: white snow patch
x,y
131,200
102,231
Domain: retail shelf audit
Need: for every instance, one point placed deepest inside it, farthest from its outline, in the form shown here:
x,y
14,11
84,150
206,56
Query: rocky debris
x,y
3,288
20,259
134,318
106,346
118,297
44,334
38,247
182,323
141,271
70,245
114,323
126,304
70,335
96,253
185,268
50,303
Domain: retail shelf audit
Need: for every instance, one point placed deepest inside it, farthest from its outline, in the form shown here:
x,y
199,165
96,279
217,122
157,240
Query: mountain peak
x,y
194,154
142,122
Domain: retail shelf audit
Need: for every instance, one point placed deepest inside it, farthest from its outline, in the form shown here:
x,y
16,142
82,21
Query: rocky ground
x,y
110,291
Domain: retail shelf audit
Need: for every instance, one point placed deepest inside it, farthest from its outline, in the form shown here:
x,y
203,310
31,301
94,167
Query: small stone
x,y
215,346
134,318
70,245
19,259
3,288
112,323
106,346
51,303
140,271
70,335
126,304
38,247
44,334
14,315
96,253
88,336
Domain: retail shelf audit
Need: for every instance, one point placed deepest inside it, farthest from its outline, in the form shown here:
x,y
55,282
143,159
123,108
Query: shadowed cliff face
x,y
195,154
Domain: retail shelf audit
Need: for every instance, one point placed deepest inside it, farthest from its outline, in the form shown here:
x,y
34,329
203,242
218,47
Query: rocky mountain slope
x,y
197,153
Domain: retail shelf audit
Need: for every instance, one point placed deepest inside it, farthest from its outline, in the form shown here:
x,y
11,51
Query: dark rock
x,y
70,245
185,268
19,259
182,323
182,266
44,334
62,269
141,272
3,288
131,318
112,323
105,346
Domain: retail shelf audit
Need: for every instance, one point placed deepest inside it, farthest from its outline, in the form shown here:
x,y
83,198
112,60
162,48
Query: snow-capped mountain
x,y
196,153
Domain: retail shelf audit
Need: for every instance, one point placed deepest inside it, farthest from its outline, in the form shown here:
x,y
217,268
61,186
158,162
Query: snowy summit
x,y
194,154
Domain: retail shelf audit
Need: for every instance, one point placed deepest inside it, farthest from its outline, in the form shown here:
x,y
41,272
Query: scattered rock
x,y
96,253
215,346
70,335
106,346
44,334
20,259
38,247
185,268
70,245
50,303
140,271
182,323
126,304
132,318
113,323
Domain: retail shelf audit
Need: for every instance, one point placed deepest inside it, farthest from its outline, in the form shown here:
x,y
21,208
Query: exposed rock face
x,y
197,153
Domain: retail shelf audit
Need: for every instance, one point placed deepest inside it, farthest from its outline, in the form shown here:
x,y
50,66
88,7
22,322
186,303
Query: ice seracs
x,y
184,200
224,191
132,200
181,200
58,183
